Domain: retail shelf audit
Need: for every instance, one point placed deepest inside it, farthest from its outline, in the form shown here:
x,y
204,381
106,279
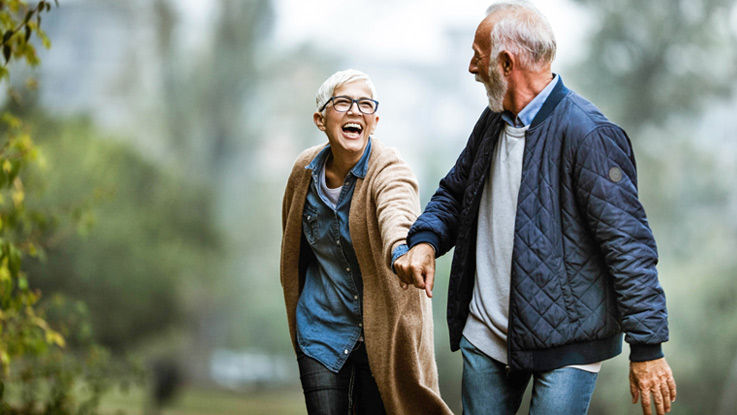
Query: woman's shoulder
x,y
386,162
383,155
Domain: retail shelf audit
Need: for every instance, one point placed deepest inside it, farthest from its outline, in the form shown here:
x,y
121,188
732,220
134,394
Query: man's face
x,y
496,87
348,131
479,65
486,68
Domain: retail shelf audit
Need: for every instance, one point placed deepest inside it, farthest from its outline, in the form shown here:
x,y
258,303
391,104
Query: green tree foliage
x,y
146,258
23,329
40,373
648,61
18,22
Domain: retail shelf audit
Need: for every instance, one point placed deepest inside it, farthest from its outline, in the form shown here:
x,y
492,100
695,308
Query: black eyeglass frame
x,y
356,101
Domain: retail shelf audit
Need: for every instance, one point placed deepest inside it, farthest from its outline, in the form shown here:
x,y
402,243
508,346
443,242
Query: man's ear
x,y
506,59
319,121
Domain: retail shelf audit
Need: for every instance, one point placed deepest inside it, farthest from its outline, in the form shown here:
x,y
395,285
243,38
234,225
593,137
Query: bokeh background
x,y
168,128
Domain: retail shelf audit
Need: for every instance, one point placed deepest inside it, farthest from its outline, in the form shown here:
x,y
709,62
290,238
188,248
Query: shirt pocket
x,y
309,224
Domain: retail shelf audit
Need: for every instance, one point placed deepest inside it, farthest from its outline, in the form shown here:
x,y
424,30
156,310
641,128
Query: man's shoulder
x,y
487,119
580,116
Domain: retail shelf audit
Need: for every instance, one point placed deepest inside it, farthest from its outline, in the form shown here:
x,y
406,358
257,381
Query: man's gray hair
x,y
337,80
524,31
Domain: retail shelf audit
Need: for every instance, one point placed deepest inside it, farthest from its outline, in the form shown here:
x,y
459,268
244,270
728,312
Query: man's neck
x,y
524,87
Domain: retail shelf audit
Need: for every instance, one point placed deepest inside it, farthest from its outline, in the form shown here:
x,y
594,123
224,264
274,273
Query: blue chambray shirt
x,y
329,310
524,118
528,113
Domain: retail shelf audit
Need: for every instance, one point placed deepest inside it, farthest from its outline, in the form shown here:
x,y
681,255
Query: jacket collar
x,y
558,93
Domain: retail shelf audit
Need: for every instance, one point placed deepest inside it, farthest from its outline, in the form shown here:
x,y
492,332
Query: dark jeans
x,y
351,389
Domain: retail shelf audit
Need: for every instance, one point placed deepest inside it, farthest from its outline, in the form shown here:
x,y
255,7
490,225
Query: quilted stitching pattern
x,y
583,267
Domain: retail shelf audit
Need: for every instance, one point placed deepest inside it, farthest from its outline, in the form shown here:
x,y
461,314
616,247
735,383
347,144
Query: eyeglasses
x,y
343,104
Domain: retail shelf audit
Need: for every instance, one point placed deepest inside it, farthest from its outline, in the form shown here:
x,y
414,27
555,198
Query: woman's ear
x,y
319,121
376,121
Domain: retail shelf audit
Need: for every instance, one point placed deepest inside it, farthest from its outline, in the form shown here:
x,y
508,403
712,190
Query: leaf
x,y
28,33
6,53
8,33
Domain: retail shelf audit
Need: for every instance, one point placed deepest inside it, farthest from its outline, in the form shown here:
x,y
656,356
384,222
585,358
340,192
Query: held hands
x,y
417,267
654,377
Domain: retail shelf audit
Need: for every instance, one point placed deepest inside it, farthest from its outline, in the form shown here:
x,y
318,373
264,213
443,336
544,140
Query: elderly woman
x,y
363,343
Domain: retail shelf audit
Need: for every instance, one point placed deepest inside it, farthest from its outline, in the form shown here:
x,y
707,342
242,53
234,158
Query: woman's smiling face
x,y
348,131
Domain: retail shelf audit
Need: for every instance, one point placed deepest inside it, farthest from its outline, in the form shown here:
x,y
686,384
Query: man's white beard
x,y
495,89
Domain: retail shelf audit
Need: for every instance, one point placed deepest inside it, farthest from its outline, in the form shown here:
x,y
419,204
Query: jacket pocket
x,y
569,297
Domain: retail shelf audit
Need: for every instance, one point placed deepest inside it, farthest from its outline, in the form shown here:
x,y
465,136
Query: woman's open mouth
x,y
352,130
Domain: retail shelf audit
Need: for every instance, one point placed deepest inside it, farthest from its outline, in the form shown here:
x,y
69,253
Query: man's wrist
x,y
427,237
645,352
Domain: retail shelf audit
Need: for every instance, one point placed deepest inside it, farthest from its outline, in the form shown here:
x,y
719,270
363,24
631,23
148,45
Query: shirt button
x,y
345,351
360,324
338,242
348,269
355,297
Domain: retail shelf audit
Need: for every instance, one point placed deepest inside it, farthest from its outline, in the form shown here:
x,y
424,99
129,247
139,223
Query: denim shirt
x,y
329,310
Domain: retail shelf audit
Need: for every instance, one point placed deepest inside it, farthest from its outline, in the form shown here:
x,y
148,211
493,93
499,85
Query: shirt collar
x,y
359,170
528,113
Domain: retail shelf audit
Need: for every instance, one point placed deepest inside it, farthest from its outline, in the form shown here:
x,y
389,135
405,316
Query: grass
x,y
192,401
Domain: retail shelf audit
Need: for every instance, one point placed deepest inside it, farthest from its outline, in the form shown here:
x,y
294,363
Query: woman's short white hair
x,y
524,31
337,80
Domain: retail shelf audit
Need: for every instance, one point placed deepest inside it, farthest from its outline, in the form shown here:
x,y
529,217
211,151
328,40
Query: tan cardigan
x,y
397,323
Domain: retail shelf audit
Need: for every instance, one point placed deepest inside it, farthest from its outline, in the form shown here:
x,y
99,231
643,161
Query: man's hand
x,y
652,377
417,267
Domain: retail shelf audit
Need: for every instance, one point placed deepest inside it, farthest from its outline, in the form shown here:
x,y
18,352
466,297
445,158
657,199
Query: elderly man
x,y
554,258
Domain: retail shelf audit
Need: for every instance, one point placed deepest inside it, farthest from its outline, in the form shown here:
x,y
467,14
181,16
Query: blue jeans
x,y
353,388
489,389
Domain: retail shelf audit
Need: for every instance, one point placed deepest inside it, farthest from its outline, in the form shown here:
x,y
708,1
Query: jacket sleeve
x,y
397,204
605,181
438,224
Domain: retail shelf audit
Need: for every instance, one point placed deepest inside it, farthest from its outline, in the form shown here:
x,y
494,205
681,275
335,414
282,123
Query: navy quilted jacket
x,y
584,257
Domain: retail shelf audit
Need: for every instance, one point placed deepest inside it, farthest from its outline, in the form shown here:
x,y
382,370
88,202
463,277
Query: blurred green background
x,y
167,130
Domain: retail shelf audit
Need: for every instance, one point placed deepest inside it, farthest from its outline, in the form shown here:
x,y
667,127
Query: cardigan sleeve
x,y
397,204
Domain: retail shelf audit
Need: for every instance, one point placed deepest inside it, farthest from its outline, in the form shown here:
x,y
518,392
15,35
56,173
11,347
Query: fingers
x,y
658,398
672,387
429,278
634,391
401,268
665,393
645,400
417,268
417,278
